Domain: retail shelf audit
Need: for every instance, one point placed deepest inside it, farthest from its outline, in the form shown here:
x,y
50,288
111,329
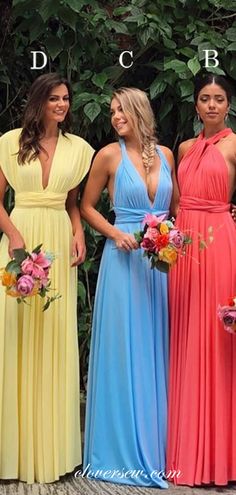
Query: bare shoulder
x,y
231,138
107,157
168,154
108,151
231,145
184,147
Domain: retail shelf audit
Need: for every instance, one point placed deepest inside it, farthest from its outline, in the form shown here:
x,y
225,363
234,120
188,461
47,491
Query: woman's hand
x,y
16,241
78,249
233,212
125,242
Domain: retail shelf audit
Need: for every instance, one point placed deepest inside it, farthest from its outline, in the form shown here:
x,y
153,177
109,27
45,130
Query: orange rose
x,y
13,293
8,278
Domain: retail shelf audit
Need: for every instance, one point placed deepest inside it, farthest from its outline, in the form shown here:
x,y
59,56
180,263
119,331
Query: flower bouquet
x,y
27,275
161,241
227,315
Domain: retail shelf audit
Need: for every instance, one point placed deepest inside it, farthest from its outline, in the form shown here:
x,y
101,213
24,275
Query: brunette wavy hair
x,y
33,127
136,106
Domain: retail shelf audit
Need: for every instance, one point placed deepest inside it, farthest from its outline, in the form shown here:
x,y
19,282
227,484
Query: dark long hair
x,y
33,127
210,78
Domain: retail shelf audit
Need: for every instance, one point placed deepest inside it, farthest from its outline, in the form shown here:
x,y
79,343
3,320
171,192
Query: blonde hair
x,y
135,105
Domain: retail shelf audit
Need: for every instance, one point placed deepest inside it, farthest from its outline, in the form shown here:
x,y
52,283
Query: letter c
x,y
121,59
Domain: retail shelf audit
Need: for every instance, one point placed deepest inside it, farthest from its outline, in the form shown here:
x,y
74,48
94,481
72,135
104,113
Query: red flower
x,y
161,241
148,244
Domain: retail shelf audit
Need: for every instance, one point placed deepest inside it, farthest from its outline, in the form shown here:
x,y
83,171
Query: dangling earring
x,y
226,116
198,117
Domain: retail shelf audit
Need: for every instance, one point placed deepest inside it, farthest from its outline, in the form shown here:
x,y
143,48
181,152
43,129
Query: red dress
x,y
202,393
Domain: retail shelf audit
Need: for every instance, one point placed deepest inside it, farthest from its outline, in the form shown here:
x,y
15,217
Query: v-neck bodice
x,y
54,158
130,191
66,172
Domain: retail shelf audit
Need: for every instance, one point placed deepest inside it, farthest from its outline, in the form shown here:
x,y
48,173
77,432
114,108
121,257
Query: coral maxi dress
x,y
39,366
202,401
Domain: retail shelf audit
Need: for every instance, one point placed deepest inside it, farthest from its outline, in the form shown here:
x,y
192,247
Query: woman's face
x,y
212,104
57,105
119,121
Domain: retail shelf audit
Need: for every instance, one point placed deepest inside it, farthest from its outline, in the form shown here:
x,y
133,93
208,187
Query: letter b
x,y
214,55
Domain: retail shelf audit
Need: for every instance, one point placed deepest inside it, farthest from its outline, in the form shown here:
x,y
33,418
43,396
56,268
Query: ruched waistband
x,y
130,215
40,200
201,204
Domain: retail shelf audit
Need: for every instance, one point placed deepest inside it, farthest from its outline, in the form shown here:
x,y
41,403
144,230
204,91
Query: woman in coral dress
x,y
39,367
202,395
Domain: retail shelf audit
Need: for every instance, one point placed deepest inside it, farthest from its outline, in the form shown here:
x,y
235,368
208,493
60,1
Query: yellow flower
x,y
8,279
164,229
168,254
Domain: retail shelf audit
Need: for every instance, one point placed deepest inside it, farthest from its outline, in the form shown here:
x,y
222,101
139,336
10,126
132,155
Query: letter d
x,y
35,66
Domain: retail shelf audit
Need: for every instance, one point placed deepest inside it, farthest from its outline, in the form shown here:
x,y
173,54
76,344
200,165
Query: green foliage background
x,y
83,40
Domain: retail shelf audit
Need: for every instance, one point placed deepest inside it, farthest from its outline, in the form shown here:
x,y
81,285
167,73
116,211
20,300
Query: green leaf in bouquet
x,y
37,249
47,304
188,240
51,299
138,236
20,255
42,292
13,267
162,266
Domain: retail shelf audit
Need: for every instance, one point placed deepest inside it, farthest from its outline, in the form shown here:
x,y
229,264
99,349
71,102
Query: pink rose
x,y
151,233
25,285
176,238
35,265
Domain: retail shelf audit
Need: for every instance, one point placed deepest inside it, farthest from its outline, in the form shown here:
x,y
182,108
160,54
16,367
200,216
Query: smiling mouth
x,y
121,124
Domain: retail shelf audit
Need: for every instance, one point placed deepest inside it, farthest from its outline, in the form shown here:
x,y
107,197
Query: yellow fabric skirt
x,y
39,363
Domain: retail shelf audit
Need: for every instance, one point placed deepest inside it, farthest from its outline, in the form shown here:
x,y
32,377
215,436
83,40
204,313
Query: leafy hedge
x,y
84,39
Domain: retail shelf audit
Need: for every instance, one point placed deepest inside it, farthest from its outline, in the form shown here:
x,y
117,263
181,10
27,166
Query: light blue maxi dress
x,y
125,434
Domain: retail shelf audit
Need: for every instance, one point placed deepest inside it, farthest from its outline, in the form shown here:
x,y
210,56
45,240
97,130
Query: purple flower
x,y
176,238
25,285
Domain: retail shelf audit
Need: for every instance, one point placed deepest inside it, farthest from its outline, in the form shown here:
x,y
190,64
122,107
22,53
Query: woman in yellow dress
x,y
39,367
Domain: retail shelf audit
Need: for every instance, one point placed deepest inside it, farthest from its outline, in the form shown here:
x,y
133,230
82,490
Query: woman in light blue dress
x,y
125,434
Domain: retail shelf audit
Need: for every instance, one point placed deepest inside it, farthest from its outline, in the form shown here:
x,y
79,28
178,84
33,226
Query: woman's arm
x,y
15,238
78,243
174,204
97,181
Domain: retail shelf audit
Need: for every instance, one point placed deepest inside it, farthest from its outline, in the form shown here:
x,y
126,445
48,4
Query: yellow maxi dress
x,y
39,363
